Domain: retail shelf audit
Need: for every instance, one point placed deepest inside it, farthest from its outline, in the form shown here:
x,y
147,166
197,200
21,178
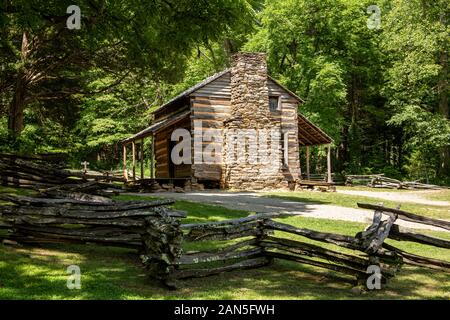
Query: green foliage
x,y
324,51
416,39
381,94
94,86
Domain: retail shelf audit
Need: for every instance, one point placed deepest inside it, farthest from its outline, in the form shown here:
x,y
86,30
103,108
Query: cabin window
x,y
274,103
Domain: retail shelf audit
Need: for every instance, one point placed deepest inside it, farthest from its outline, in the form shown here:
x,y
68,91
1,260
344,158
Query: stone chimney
x,y
249,115
249,92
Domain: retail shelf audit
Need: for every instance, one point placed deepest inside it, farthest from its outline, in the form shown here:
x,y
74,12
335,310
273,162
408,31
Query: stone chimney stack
x,y
250,116
249,91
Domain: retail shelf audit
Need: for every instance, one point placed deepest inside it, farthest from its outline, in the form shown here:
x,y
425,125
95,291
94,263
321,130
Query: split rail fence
x,y
35,172
364,249
156,232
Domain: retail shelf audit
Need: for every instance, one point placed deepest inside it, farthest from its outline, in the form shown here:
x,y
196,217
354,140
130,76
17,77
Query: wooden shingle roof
x,y
210,79
192,89
309,134
158,126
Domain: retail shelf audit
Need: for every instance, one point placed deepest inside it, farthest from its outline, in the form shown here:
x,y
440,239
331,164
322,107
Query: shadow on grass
x,y
215,205
196,212
40,272
288,280
112,273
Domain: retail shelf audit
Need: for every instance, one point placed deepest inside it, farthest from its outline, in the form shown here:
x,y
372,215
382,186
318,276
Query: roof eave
x,y
326,136
194,88
287,90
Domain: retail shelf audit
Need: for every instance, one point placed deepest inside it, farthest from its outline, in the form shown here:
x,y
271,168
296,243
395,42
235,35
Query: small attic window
x,y
274,103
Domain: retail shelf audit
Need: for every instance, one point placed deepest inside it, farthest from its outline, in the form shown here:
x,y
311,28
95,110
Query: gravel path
x,y
413,196
250,201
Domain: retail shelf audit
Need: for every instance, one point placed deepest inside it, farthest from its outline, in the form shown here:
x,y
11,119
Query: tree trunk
x,y
444,167
17,105
342,157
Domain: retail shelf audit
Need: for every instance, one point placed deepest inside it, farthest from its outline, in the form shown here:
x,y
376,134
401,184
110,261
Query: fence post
x,y
162,241
263,233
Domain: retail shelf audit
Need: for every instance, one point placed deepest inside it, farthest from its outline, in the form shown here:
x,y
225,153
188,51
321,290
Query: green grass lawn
x,y
114,273
364,188
346,200
441,195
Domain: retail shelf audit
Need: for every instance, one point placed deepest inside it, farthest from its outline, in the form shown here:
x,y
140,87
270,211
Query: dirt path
x,y
407,196
257,202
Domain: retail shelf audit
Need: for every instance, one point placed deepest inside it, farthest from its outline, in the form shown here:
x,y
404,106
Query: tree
x,y
416,40
323,50
45,63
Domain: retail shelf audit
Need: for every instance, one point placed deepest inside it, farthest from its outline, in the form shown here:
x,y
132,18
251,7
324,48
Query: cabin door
x,y
171,145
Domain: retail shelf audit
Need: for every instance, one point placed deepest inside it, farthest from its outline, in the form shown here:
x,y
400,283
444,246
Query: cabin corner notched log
x,y
243,97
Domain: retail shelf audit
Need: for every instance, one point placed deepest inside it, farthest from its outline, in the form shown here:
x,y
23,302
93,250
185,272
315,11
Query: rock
x,y
179,190
198,186
168,186
357,290
10,242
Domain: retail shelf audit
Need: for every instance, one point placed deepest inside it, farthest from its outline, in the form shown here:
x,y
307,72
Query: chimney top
x,y
249,56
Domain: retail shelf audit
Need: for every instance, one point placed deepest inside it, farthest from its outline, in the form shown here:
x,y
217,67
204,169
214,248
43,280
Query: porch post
x,y
307,163
141,158
299,164
152,158
124,160
329,180
133,148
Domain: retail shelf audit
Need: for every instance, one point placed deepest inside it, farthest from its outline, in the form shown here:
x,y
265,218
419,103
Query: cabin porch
x,y
309,135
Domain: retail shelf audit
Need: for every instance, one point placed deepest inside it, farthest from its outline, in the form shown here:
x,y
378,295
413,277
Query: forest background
x,y
374,75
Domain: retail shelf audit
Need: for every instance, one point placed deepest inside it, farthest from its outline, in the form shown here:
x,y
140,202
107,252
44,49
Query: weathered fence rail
x,y
44,220
381,181
258,245
32,172
264,246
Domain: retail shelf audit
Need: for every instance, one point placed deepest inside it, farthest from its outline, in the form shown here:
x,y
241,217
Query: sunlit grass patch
x,y
40,272
350,201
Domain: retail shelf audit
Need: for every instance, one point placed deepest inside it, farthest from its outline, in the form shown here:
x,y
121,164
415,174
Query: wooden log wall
x,y
162,152
212,105
288,117
211,111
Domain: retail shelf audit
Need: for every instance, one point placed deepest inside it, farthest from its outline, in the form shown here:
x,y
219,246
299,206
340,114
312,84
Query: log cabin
x,y
244,99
